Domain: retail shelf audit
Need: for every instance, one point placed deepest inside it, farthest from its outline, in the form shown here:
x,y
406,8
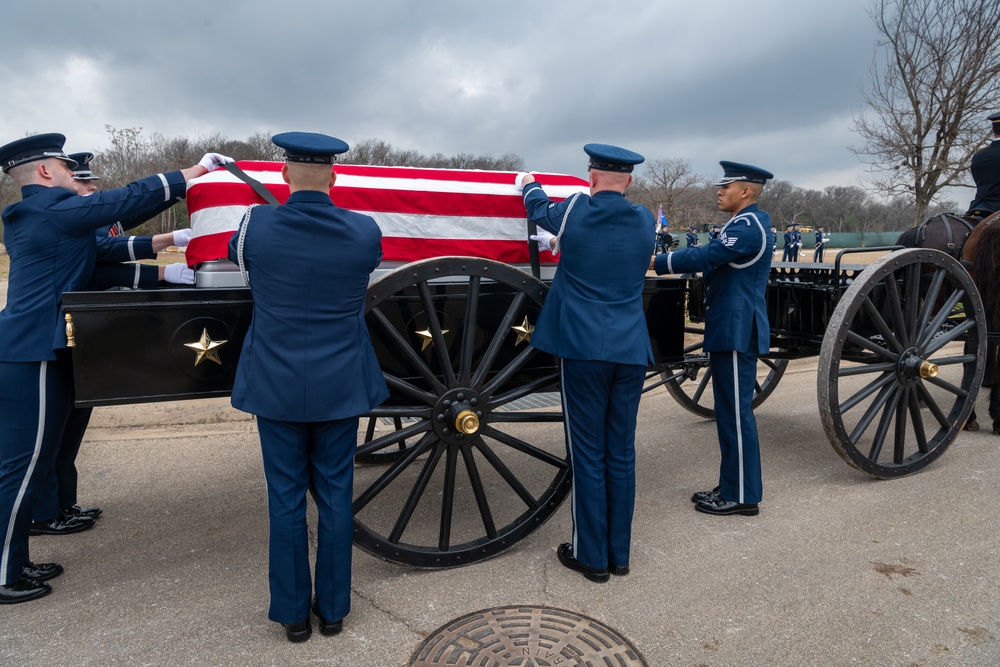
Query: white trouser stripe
x,y
135,279
569,449
131,248
739,427
39,436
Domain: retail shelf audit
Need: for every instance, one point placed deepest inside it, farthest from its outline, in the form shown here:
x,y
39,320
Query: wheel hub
x,y
913,366
458,415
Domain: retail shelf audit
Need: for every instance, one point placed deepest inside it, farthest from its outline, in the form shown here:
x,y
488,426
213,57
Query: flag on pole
x,y
422,212
661,219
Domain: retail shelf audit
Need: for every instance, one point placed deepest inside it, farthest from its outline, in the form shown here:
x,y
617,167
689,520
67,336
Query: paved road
x,y
838,569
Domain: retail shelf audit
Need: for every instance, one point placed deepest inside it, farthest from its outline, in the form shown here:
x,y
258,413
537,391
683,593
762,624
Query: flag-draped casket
x,y
422,212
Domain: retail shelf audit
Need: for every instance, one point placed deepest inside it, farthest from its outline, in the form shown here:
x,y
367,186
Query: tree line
x,y
685,197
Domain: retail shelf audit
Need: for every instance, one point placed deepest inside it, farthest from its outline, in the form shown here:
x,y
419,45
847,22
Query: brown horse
x,y
976,242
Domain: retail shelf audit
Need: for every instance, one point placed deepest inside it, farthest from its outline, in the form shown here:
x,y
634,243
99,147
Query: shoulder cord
x,y
239,245
763,242
572,202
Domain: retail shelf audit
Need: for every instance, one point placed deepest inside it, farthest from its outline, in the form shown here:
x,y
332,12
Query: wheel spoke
x,y
896,310
447,500
884,422
532,387
871,347
408,389
437,335
950,361
866,419
392,472
918,423
867,390
506,474
416,493
406,350
525,417
945,338
947,386
883,328
402,411
393,438
498,337
864,369
899,442
469,332
932,405
931,298
522,446
696,397
930,330
508,371
479,491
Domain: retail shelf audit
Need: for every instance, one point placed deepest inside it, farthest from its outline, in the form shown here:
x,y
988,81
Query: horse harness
x,y
951,247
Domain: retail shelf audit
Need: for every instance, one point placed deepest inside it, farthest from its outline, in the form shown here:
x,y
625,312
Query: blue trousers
x,y
600,403
296,455
35,400
58,491
733,378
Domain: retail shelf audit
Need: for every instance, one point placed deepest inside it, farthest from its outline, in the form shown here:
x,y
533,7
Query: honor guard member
x,y
692,237
49,236
308,370
593,321
735,268
821,239
788,239
986,174
56,511
714,234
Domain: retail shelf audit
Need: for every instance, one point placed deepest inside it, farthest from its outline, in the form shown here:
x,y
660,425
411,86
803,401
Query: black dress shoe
x,y
76,510
298,632
618,570
61,526
41,571
702,496
327,628
23,590
565,553
721,506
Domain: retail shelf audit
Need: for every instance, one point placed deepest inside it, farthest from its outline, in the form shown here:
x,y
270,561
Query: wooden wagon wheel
x,y
479,473
690,382
898,367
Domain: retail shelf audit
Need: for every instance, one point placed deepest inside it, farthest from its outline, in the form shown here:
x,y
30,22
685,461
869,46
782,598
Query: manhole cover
x,y
528,636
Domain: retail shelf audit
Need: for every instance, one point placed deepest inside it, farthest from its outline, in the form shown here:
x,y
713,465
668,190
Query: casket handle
x,y
70,331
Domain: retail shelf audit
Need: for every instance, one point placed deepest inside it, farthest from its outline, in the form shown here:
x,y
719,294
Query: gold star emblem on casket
x,y
428,337
206,348
524,331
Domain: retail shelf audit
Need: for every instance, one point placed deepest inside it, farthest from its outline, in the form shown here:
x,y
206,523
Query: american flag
x,y
422,212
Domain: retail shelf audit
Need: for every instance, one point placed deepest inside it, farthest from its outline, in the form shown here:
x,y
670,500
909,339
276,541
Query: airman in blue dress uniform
x,y
308,371
985,169
56,511
735,267
49,236
593,321
692,237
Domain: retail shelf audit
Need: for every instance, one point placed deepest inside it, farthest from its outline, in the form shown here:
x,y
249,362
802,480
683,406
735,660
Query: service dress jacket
x,y
593,311
985,169
307,356
735,267
49,236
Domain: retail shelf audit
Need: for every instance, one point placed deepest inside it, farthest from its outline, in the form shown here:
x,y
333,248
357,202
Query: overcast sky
x,y
772,83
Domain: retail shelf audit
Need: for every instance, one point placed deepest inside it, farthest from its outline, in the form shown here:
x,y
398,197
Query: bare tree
x,y
935,77
670,183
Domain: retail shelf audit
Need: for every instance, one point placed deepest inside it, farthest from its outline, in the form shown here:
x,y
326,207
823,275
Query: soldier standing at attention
x,y
986,174
56,511
692,237
789,238
593,321
821,239
50,239
735,267
308,370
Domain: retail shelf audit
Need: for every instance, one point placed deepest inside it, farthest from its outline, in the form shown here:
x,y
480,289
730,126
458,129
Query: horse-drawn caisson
x,y
466,456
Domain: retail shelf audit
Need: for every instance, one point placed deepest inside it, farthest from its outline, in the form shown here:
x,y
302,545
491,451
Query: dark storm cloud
x,y
767,83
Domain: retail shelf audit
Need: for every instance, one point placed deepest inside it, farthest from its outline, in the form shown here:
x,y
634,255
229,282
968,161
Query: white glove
x,y
542,238
178,274
182,237
517,180
214,161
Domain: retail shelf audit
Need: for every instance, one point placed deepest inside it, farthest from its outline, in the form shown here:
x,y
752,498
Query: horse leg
x,y
995,408
971,424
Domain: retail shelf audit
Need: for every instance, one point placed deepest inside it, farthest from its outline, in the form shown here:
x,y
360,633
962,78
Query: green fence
x,y
837,240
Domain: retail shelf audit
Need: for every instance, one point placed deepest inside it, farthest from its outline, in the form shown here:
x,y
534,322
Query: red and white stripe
x,y
422,212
